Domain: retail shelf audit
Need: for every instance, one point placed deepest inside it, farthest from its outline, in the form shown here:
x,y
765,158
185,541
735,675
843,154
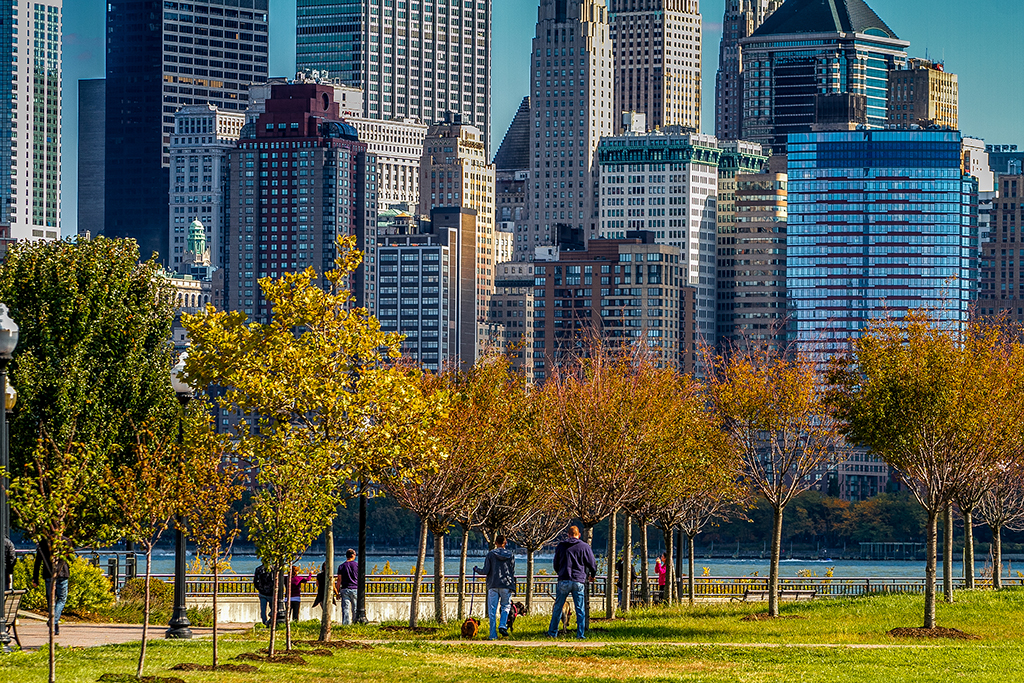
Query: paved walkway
x,y
34,634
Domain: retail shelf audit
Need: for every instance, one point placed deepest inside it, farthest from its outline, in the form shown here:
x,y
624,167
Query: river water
x,y
163,563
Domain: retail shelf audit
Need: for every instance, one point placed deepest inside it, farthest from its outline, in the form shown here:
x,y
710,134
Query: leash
x,y
472,594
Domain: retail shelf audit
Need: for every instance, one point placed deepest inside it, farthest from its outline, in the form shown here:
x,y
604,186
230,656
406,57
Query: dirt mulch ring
x,y
236,668
335,644
767,617
128,678
938,632
418,630
288,658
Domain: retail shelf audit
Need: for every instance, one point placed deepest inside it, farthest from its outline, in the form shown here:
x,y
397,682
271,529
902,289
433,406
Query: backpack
x,y
263,581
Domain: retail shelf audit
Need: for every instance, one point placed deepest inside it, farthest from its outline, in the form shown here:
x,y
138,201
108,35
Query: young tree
x,y
541,523
1002,507
208,486
773,408
143,492
922,398
56,501
326,404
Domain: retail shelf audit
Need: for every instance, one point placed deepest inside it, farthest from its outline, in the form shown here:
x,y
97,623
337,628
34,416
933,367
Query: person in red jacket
x,y
661,567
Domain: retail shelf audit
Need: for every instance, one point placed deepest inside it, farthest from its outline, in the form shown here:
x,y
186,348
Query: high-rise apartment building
x,y
92,102
426,291
923,93
413,59
666,182
299,179
752,267
572,68
742,18
30,123
398,146
879,223
1002,270
203,138
624,292
454,173
162,55
817,62
657,46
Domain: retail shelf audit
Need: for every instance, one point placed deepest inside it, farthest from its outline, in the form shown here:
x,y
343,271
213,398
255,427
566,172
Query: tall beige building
x,y
657,47
572,107
741,19
454,173
923,94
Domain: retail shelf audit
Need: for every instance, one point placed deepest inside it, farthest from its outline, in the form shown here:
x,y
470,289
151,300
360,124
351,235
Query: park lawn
x,y
997,656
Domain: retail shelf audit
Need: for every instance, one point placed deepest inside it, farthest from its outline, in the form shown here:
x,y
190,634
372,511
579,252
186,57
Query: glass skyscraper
x,y
880,223
414,58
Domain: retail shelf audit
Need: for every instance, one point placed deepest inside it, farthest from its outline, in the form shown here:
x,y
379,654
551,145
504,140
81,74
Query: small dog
x,y
517,609
470,627
567,613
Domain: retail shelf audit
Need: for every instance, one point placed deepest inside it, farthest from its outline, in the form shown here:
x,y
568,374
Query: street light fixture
x,y
179,626
8,342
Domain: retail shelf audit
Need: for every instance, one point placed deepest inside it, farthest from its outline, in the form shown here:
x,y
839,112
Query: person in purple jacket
x,y
348,584
575,564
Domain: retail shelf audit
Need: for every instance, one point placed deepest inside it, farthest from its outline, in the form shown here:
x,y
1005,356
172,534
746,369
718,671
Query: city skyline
x,y
936,29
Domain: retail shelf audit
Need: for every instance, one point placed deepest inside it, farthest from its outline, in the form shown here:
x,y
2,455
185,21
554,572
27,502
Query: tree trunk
x,y
288,617
690,581
328,587
462,572
997,556
145,612
588,538
439,577
627,564
417,581
610,588
968,548
929,569
773,570
529,580
53,595
669,567
214,563
273,610
645,587
947,554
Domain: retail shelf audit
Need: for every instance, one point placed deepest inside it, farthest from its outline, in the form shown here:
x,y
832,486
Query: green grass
x,y
705,629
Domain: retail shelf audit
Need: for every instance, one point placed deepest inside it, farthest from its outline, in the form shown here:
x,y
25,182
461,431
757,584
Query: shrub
x,y
88,588
161,593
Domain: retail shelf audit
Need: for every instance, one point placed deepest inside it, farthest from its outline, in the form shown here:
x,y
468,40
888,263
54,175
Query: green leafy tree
x,y
324,403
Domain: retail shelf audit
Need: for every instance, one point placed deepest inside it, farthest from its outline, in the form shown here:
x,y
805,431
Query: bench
x,y
784,594
12,601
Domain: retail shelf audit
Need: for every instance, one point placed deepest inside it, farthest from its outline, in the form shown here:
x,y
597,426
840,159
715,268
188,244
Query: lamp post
x,y
8,342
179,626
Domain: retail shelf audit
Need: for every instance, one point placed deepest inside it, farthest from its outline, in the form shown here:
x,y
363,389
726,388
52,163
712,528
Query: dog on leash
x,y
517,610
470,627
567,614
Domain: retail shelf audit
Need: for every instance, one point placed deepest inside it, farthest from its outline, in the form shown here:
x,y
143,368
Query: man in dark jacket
x,y
500,569
10,559
575,564
58,573
348,586
263,582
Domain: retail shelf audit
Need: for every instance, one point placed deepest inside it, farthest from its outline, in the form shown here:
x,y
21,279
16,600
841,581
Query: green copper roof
x,y
824,16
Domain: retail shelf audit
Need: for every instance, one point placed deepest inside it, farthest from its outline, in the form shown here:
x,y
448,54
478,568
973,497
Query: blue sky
x,y
979,41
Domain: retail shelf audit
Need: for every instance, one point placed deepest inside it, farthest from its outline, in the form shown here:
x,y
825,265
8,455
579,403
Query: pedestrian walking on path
x,y
59,575
500,570
575,565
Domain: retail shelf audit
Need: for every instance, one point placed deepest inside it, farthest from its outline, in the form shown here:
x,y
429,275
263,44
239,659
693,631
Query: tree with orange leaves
x,y
772,405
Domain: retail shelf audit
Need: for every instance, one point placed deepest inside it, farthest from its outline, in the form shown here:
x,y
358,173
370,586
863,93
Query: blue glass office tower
x,y
880,223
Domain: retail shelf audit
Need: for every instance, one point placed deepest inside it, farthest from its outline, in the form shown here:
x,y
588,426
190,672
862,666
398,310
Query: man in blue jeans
x,y
57,573
574,563
348,586
500,569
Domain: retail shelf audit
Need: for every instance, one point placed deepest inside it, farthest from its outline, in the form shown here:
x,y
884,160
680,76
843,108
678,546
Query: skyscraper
x,y
30,126
416,58
814,61
924,94
880,223
92,102
742,17
572,65
162,55
299,179
657,45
